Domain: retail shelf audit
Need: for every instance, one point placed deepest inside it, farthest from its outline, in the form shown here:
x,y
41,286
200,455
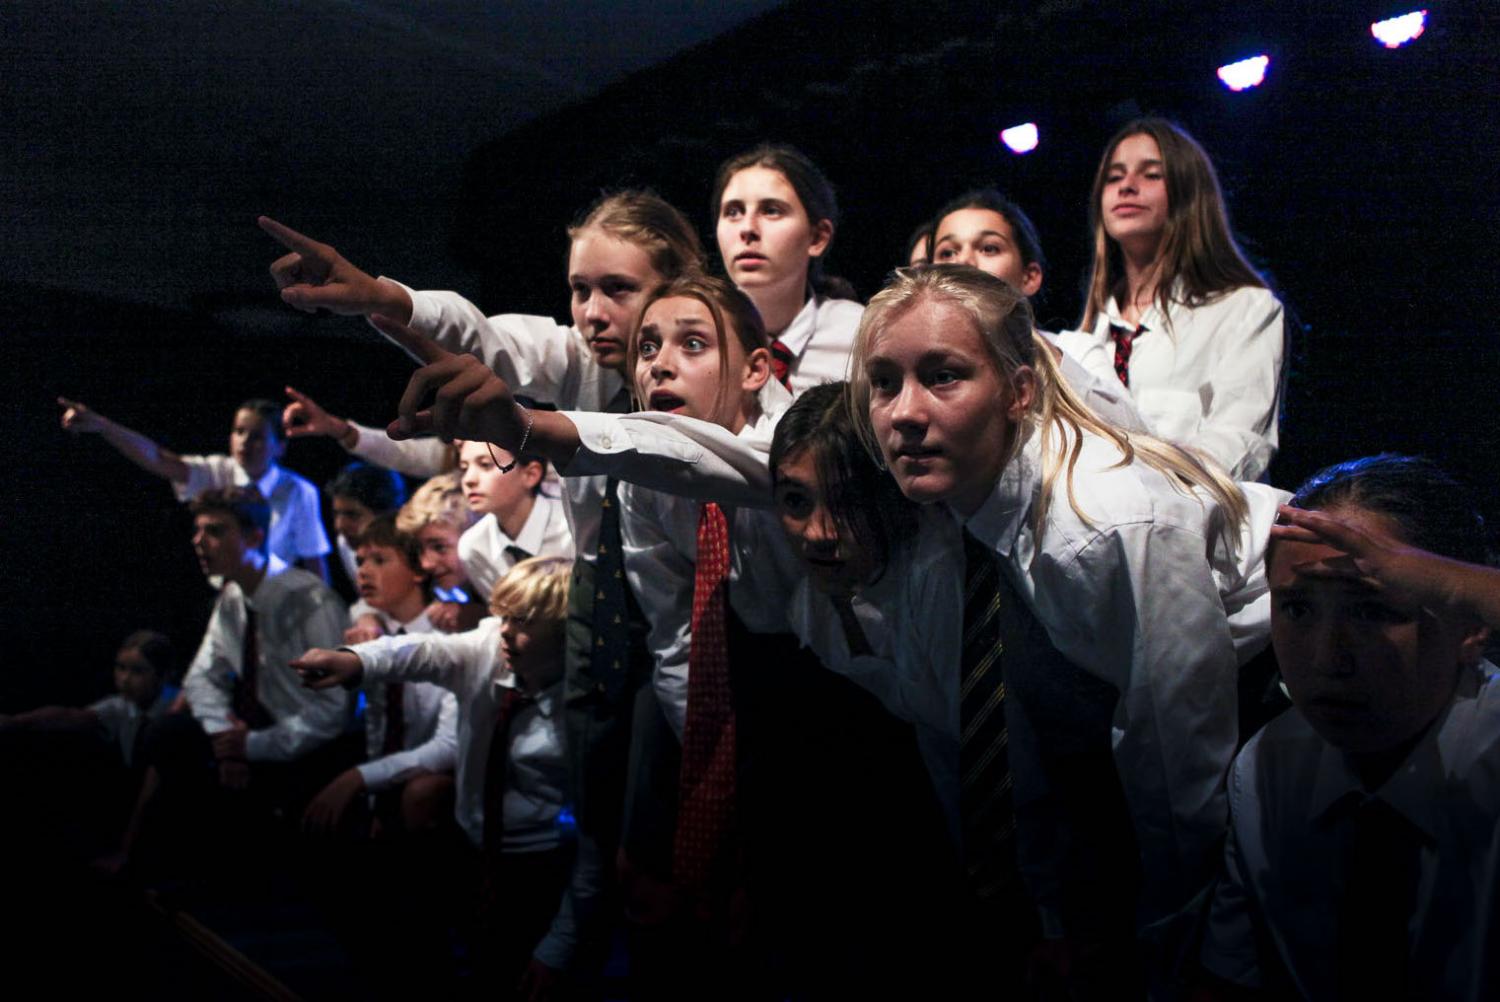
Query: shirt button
x,y
605,441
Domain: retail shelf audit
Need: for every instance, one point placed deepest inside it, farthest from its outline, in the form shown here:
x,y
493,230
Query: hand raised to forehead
x,y
468,400
314,276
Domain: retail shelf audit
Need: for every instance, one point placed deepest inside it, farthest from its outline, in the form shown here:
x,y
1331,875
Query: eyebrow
x,y
980,235
1120,164
611,277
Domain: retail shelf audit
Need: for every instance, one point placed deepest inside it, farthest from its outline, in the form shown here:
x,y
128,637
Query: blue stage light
x,y
1397,31
1245,73
1020,138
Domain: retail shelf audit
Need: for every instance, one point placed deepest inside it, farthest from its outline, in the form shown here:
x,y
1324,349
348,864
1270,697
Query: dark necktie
x,y
1124,339
706,787
497,764
610,657
781,362
1379,896
987,807
246,697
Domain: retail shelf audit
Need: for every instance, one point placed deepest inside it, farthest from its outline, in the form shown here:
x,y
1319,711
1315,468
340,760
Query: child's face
x,y
1369,671
384,578
440,555
942,413
220,544
677,368
490,492
835,561
350,518
135,678
764,233
532,648
253,443
1133,204
608,278
983,239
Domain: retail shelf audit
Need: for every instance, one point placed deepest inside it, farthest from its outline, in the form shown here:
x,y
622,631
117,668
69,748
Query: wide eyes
x,y
648,349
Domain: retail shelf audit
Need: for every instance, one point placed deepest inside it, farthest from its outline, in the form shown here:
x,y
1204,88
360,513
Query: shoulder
x,y
1246,304
839,315
294,585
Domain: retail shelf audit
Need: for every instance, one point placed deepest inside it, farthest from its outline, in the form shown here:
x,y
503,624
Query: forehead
x,y
800,466
248,420
437,532
932,326
755,184
348,505
474,451
595,253
1287,555
1136,148
678,310
216,520
131,657
376,549
972,221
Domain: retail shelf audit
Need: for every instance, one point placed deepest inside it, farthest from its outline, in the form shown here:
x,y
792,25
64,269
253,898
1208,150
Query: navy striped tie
x,y
987,805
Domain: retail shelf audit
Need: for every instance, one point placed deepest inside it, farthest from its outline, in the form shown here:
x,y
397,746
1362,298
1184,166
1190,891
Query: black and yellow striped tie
x,y
987,807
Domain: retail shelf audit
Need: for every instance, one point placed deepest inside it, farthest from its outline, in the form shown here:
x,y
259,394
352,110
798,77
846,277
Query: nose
x,y
909,409
969,257
821,533
470,477
593,310
663,363
1129,183
1332,648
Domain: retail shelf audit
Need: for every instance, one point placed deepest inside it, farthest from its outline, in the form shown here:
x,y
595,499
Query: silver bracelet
x,y
515,456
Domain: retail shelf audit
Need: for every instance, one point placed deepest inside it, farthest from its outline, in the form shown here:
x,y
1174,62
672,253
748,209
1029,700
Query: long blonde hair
x,y
1198,258
1058,415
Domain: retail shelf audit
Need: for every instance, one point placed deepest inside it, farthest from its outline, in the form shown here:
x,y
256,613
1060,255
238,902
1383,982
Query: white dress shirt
x,y
429,741
416,457
487,552
1145,597
472,667
660,535
296,515
122,721
1207,376
1290,799
1107,398
294,612
820,338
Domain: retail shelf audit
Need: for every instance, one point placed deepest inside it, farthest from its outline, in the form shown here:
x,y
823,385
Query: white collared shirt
x,y
821,339
1208,376
472,666
660,535
429,726
296,516
294,613
487,553
1285,861
1147,599
122,721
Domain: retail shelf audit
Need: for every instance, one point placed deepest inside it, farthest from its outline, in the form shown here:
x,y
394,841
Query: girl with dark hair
x,y
776,217
1174,310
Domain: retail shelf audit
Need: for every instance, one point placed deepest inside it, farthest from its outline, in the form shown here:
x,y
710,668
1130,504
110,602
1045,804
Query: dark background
x,y
451,147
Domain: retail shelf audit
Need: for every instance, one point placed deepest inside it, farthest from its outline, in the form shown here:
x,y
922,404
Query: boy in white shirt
x,y
513,788
516,519
410,728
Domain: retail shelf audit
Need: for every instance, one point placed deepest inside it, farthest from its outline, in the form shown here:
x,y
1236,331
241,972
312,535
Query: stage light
x,y
1244,74
1397,31
1020,138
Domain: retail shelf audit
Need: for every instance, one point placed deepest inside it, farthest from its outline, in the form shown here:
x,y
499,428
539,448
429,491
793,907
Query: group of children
x,y
855,648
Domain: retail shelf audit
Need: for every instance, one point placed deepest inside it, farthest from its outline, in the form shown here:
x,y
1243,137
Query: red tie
x,y
781,362
706,788
1124,339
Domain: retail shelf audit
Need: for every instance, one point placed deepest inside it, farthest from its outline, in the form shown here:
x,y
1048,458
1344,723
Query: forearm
x,y
143,451
51,718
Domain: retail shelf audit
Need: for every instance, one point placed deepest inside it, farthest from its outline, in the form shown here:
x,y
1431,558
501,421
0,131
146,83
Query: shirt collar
x,y
800,331
1414,790
999,521
534,531
267,482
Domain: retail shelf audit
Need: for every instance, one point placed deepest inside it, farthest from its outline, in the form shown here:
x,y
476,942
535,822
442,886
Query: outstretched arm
x,y
131,444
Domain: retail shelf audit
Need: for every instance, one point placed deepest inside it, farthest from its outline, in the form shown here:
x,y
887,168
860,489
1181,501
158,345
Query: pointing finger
x,y
291,239
421,348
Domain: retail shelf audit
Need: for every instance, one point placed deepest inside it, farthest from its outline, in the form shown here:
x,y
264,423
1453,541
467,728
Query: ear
x,y
1023,390
1031,279
822,236
532,473
757,370
255,539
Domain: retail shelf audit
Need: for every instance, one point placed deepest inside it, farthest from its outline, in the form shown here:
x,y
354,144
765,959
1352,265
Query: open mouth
x,y
365,591
661,400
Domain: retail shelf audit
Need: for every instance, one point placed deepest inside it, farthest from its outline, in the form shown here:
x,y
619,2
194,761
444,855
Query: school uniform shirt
x,y
660,534
429,725
820,338
122,721
538,358
295,612
472,667
1293,797
347,557
1107,398
296,516
487,553
911,618
1145,597
1208,376
416,457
